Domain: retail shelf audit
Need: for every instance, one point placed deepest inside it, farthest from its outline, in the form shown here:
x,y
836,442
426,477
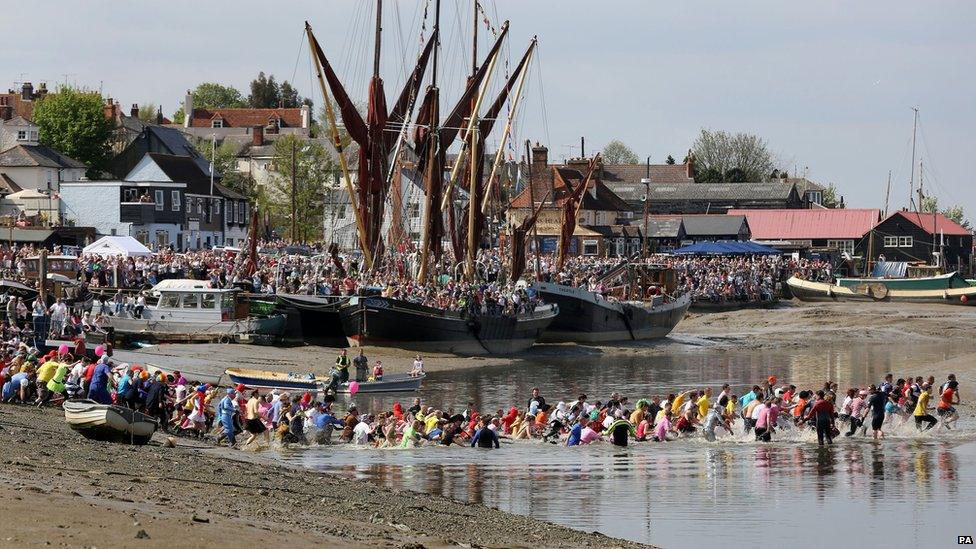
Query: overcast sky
x,y
829,84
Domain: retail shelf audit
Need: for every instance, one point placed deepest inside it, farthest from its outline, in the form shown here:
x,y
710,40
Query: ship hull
x,y
388,322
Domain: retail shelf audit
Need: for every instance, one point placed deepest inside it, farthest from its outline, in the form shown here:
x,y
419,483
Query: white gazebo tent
x,y
124,246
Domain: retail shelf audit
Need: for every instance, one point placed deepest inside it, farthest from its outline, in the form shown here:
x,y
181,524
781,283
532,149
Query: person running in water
x,y
947,399
714,419
822,413
620,430
922,409
877,404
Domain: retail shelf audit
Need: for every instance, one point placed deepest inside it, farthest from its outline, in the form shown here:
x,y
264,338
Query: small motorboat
x,y
261,379
107,422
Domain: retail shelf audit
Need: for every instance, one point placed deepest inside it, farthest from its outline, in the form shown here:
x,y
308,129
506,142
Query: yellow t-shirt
x,y
430,423
637,416
703,406
47,370
678,402
923,403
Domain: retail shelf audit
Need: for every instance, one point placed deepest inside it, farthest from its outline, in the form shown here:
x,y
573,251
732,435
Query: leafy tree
x,y
211,95
670,160
72,122
314,170
728,158
616,152
147,112
265,93
829,197
289,96
930,204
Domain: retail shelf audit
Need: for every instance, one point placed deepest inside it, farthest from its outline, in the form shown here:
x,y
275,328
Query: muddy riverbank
x,y
109,495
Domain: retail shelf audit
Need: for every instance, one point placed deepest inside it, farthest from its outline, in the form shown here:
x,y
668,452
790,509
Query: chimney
x,y
109,108
159,115
690,165
42,90
187,109
134,111
540,157
306,117
27,91
6,111
257,136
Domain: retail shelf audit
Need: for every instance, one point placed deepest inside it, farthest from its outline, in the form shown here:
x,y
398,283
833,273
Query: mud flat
x,y
68,491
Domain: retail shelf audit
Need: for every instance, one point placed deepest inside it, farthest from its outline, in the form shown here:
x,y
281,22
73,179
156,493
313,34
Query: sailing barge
x,y
398,323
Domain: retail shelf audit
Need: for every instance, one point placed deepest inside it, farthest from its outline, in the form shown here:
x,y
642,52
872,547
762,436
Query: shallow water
x,y
909,491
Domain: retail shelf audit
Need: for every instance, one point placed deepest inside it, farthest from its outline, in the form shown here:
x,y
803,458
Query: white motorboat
x,y
108,422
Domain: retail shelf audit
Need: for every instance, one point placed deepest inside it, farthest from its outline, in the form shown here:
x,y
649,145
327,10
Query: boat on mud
x,y
644,308
108,422
388,322
883,290
261,379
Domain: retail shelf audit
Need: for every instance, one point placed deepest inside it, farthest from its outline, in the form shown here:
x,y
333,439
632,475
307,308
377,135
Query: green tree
x,y
670,160
72,122
829,198
314,168
290,99
211,95
616,152
265,93
731,158
147,112
930,204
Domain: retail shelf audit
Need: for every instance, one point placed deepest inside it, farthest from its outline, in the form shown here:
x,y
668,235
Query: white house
x,y
39,167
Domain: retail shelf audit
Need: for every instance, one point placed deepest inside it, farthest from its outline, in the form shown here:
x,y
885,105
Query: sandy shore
x,y
71,492
793,324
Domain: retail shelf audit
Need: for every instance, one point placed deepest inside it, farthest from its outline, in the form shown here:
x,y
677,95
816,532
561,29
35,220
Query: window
x,y
241,212
130,195
217,202
191,301
414,210
209,211
189,205
342,212
590,247
815,197
843,246
162,238
906,241
160,200
199,205
176,200
620,246
209,301
170,301
891,242
21,135
217,123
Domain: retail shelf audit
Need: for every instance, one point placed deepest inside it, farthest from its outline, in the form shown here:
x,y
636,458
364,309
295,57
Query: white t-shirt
x,y
360,433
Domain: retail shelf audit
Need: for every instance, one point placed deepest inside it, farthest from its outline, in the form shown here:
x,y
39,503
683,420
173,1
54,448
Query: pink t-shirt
x,y
763,420
588,435
662,428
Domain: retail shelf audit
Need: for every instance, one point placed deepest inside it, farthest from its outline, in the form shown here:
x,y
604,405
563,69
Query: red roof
x,y
810,224
933,223
246,118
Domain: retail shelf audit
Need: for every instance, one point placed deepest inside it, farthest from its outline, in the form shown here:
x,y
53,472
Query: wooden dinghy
x,y
261,379
108,422
805,290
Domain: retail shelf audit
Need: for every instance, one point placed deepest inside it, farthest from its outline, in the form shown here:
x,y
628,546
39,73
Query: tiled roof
x,y
662,227
605,199
39,156
810,224
246,118
21,107
8,185
933,223
633,173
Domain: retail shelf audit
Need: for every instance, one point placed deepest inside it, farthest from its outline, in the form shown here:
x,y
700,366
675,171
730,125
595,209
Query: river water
x,y
911,490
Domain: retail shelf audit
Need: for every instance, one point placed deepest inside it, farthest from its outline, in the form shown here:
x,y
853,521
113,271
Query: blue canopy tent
x,y
726,247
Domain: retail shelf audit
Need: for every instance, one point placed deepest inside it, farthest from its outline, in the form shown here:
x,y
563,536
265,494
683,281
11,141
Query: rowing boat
x,y
109,423
262,379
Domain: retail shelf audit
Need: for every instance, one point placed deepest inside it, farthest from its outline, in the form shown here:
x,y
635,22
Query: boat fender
x,y
963,298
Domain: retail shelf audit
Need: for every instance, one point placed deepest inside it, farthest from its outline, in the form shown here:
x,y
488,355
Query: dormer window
x,y
217,123
21,135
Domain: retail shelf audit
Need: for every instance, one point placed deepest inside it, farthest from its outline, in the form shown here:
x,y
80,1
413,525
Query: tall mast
x,y
911,180
379,32
474,38
433,150
535,228
887,194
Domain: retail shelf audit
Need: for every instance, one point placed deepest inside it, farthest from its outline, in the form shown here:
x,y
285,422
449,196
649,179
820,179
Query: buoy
x,y
963,298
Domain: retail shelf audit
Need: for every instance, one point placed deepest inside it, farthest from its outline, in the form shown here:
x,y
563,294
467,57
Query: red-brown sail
x,y
571,210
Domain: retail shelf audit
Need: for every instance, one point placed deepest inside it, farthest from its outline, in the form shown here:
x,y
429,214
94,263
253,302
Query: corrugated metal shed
x,y
847,224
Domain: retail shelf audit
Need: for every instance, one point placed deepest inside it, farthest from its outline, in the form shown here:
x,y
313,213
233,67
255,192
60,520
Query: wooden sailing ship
x,y
380,138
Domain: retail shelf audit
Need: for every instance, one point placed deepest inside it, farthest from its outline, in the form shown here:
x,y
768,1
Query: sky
x,y
830,85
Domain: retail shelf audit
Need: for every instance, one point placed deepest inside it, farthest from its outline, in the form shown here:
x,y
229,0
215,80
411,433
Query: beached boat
x,y
318,321
261,379
939,282
805,290
187,310
107,422
642,306
388,322
588,317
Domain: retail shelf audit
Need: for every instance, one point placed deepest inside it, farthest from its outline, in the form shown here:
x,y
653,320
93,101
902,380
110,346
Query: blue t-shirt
x,y
327,419
747,398
574,435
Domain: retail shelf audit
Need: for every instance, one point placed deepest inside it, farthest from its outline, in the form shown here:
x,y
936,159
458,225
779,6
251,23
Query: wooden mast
x,y
337,142
433,150
535,227
508,123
